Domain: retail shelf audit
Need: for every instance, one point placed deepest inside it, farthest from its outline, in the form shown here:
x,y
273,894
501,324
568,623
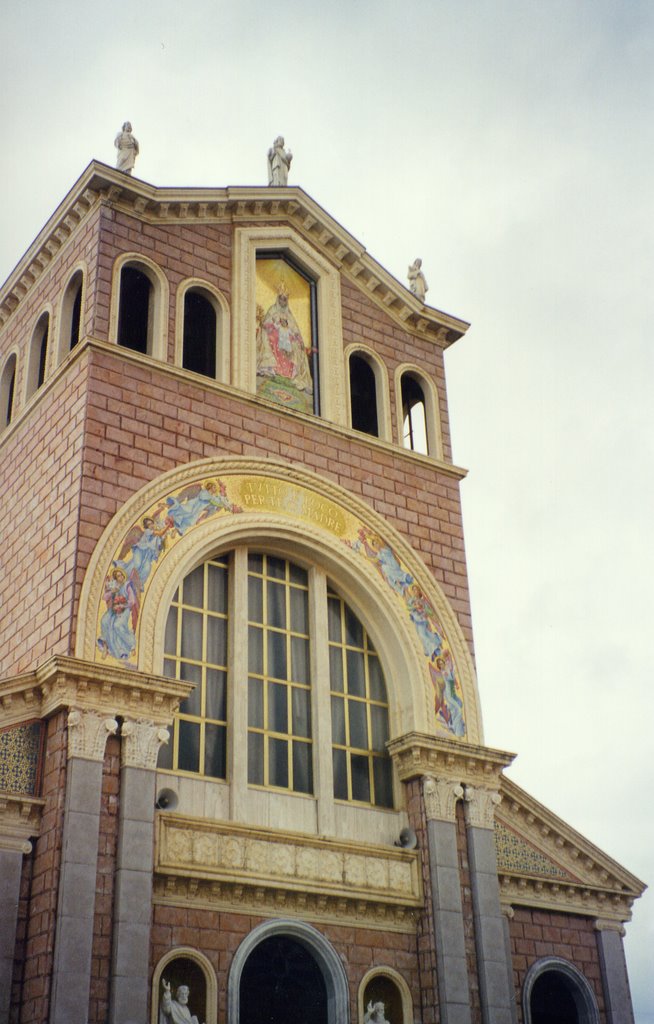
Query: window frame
x,y
378,367
432,411
221,309
158,326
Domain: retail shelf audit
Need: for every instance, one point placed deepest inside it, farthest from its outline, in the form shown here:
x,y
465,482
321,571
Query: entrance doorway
x,y
281,983
553,1001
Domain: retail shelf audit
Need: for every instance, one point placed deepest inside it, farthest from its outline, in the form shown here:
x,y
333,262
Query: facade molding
x,y
20,821
416,754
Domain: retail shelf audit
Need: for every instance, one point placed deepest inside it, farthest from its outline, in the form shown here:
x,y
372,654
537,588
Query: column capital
x,y
440,797
480,806
142,739
88,732
605,924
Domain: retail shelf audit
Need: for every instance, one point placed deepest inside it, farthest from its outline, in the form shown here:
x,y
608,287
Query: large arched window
x,y
37,355
7,391
291,668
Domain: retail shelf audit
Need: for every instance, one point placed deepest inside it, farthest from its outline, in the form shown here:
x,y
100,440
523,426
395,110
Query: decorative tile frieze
x,y
20,749
516,854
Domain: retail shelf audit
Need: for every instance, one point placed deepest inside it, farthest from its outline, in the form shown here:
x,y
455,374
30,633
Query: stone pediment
x,y
542,861
243,204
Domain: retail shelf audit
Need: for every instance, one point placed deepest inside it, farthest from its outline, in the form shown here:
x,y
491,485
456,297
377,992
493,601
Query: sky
x,y
510,144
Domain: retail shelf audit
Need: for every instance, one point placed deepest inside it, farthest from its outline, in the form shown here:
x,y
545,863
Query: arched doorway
x,y
281,983
556,992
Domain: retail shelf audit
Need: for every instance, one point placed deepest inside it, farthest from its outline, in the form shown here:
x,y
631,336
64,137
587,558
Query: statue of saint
x,y
175,1011
128,149
279,162
417,282
375,1014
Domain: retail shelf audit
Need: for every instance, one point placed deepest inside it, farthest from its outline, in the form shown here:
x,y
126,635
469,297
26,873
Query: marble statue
x,y
128,149
175,1011
279,162
375,1014
417,282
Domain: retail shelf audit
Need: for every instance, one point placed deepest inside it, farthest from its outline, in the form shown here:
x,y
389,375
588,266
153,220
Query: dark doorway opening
x,y
281,983
553,1001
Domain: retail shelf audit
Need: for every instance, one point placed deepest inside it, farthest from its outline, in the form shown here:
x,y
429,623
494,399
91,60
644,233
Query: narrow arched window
x,y
200,333
363,396
414,425
37,356
7,389
71,314
136,309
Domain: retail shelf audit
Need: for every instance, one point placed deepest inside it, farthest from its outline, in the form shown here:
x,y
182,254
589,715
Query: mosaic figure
x,y
447,702
119,621
281,351
145,545
197,503
384,560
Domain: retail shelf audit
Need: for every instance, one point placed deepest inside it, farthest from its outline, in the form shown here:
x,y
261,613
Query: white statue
x,y
417,282
175,1011
128,149
375,1014
279,162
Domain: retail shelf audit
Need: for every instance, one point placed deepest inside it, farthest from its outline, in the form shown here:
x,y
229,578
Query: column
x,y
440,796
71,980
19,819
134,865
507,917
497,997
615,982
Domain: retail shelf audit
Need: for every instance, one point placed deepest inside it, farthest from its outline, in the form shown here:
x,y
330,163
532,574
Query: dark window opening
x,y
76,316
363,396
135,312
281,983
553,1000
43,351
10,381
199,353
413,415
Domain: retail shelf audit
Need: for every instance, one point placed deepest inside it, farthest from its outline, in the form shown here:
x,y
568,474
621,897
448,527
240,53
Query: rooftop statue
x,y
375,1014
279,162
128,149
417,282
175,1011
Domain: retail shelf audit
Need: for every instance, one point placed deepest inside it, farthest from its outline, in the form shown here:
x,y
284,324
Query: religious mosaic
x,y
20,750
285,344
515,854
172,516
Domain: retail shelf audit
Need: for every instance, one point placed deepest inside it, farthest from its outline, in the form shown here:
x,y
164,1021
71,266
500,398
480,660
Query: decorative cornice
x,y
441,797
88,732
546,894
142,740
416,754
480,806
71,683
20,820
102,184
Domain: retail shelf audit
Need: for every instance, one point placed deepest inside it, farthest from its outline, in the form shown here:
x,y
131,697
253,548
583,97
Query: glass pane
x,y
192,635
216,641
376,677
255,649
302,774
277,655
276,610
297,575
216,688
189,746
255,758
255,563
278,762
379,723
217,589
299,611
214,751
334,618
336,669
360,778
193,588
276,567
338,720
255,703
277,707
190,673
358,725
353,629
165,757
255,599
356,682
340,774
170,641
170,669
383,781
301,702
300,670
191,705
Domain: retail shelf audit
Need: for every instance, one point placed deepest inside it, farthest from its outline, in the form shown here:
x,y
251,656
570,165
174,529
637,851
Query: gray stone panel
x,y
138,797
449,934
496,992
615,981
11,862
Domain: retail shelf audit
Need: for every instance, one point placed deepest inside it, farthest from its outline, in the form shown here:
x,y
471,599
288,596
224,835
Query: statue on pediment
x,y
417,281
128,149
279,162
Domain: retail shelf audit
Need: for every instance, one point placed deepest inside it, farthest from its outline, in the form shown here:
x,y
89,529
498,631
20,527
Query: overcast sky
x,y
510,145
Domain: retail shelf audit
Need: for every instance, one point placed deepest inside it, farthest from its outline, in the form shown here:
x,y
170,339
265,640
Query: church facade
x,y
243,777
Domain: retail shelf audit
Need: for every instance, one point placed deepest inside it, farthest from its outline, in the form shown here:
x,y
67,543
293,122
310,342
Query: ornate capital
x,y
20,819
507,911
87,734
480,806
141,741
603,924
441,796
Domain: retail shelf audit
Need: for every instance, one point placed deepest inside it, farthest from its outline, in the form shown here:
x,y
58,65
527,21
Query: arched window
x,y
290,666
37,356
363,395
71,314
414,420
7,390
200,332
136,309
555,990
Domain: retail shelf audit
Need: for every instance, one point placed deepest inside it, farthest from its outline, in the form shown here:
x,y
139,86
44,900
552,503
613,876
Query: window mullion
x,y
237,674
321,702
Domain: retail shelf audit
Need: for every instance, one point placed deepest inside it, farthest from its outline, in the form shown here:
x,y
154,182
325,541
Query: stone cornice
x,y
71,683
20,820
102,184
417,754
566,897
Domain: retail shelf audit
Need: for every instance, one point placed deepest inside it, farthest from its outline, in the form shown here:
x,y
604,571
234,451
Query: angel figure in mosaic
x,y
196,502
145,544
448,705
281,350
383,558
118,623
424,619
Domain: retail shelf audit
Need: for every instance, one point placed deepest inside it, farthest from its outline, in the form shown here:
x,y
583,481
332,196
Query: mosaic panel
x,y
515,854
19,759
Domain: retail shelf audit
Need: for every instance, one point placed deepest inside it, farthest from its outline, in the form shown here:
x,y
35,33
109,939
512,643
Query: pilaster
x,y
615,981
